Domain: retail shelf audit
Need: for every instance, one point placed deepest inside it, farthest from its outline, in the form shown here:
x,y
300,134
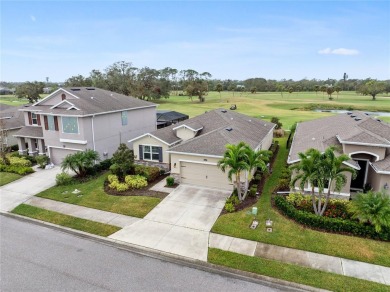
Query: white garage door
x,y
204,175
57,155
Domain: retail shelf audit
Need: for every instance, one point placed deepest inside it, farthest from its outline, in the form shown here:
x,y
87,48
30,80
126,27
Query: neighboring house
x,y
6,91
75,119
166,118
192,148
364,139
11,121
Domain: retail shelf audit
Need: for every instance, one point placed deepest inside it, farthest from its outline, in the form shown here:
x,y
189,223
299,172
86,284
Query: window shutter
x,y
46,122
56,123
29,118
39,120
141,152
160,154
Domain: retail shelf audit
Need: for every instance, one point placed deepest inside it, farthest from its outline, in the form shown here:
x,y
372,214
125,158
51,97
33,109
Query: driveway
x,y
180,224
19,191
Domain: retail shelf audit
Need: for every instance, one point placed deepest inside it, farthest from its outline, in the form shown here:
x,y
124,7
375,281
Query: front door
x,y
359,181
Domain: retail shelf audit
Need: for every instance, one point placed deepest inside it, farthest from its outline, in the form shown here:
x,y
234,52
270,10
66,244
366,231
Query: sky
x,y
229,39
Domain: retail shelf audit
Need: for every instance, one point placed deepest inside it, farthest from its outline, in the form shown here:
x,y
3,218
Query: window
x,y
50,123
70,125
151,153
124,118
34,119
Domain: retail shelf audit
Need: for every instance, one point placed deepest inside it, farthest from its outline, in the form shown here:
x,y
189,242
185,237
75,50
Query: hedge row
x,y
18,169
329,224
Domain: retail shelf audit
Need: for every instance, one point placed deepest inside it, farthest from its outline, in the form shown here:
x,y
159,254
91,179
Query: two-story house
x,y
80,118
364,139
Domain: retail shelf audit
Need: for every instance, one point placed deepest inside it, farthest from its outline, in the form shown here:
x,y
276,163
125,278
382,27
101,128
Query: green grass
x,y
290,234
14,101
269,104
292,273
93,196
7,177
65,220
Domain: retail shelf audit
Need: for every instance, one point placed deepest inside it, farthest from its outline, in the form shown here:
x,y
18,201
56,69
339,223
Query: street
x,y
37,258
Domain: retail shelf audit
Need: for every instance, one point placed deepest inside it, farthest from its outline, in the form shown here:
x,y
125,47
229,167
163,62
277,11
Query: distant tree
x,y
337,88
280,88
373,87
290,89
232,88
329,90
30,90
316,88
323,89
276,121
78,81
253,89
219,88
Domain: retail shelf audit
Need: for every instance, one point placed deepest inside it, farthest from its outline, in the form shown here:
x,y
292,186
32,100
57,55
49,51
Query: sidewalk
x,y
312,260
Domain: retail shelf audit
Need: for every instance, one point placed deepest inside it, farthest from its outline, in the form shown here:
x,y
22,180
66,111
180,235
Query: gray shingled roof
x,y
12,117
382,165
93,100
213,137
355,127
30,131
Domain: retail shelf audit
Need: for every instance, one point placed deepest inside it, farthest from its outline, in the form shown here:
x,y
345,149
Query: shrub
x,y
63,179
229,207
105,164
233,199
253,191
120,187
42,160
20,161
284,184
150,172
112,177
258,177
296,199
276,121
170,181
329,224
136,181
22,170
123,159
80,162
279,133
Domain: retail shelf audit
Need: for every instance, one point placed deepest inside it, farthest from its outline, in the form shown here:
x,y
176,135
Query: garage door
x,y
204,175
57,155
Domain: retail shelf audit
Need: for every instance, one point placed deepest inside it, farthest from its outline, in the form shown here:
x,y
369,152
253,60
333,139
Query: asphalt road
x,y
38,258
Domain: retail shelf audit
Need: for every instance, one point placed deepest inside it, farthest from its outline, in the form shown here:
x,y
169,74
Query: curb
x,y
172,258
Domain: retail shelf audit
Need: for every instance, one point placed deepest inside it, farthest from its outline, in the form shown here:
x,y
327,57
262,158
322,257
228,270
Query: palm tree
x,y
306,172
255,159
333,171
372,207
80,162
234,160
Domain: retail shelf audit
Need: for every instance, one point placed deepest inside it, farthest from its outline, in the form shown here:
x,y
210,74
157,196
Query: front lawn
x,y
7,177
65,220
292,273
290,234
92,195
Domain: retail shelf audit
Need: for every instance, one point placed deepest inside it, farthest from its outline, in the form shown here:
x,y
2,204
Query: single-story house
x,y
166,118
364,139
192,148
11,121
79,118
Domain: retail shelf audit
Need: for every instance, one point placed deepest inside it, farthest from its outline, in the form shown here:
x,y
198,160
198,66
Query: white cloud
x,y
340,51
33,18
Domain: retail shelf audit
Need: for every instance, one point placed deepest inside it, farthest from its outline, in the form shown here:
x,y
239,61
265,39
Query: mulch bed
x,y
145,192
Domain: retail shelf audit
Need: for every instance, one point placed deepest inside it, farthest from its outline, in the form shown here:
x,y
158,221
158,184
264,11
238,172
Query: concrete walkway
x,y
83,212
312,260
19,191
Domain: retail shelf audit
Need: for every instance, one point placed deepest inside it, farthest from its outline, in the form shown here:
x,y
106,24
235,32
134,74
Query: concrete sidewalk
x,y
361,270
19,191
83,212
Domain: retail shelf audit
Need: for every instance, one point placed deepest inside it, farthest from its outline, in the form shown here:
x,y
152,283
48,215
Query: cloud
x,y
33,18
340,51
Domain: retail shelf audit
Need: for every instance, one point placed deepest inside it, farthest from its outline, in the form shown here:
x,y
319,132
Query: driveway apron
x,y
180,224
19,191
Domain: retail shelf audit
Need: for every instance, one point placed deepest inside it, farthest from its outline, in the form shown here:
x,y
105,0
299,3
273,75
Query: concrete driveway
x,y
180,224
19,191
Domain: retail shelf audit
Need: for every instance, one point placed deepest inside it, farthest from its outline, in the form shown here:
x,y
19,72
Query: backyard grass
x,y
290,234
92,195
7,177
65,220
13,100
268,104
292,273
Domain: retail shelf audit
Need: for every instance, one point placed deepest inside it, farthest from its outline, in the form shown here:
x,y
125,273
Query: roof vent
x,y
367,114
75,89
358,119
353,116
379,120
349,113
92,97
224,111
313,139
229,129
90,88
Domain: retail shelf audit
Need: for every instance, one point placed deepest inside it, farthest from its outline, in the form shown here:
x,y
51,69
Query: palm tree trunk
x,y
238,186
313,199
326,201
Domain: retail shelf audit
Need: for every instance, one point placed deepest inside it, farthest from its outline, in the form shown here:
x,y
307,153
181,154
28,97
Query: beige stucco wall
x,y
380,151
377,180
185,133
148,140
10,140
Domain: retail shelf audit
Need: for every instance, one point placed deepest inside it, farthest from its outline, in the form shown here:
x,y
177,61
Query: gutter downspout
x,y
93,135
